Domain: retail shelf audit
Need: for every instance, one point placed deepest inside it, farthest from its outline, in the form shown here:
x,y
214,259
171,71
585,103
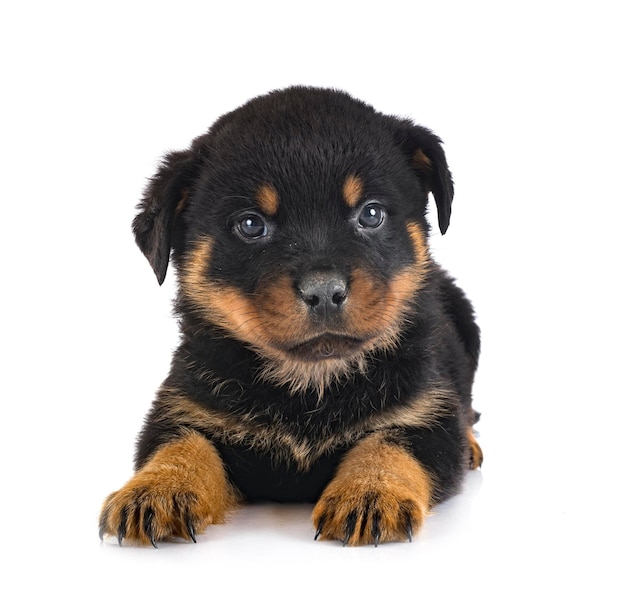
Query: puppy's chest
x,y
292,430
275,457
274,474
297,438
299,430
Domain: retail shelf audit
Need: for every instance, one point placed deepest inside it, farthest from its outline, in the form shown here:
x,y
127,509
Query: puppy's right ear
x,y
164,200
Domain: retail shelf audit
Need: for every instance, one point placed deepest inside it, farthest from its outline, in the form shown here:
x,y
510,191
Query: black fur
x,y
304,143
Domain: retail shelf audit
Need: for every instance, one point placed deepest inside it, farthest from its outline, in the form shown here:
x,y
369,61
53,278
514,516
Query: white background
x,y
529,99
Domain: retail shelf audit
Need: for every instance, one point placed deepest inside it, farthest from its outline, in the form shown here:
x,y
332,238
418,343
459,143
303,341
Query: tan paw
x,y
380,494
181,490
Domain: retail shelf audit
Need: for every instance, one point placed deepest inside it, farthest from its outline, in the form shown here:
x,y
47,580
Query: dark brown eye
x,y
251,226
372,215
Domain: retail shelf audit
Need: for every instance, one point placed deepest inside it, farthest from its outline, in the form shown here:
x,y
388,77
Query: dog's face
x,y
298,228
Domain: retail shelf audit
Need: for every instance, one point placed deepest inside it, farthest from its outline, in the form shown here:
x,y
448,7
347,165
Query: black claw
x,y
409,526
350,526
121,530
319,528
103,524
190,530
148,530
376,527
147,526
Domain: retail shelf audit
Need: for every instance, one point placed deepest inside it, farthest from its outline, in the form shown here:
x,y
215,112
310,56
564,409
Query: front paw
x,y
379,494
367,517
179,492
145,512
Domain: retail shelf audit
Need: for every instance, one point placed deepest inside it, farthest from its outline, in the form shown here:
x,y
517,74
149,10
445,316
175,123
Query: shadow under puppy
x,y
325,357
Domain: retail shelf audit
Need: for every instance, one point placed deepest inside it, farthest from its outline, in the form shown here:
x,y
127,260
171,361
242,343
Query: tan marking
x,y
377,311
278,320
184,478
388,304
221,305
379,479
422,162
226,307
300,376
193,279
352,190
283,312
373,312
476,453
282,442
275,318
420,249
268,199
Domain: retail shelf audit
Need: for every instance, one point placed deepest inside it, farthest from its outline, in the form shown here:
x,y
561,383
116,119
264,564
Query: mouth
x,y
326,347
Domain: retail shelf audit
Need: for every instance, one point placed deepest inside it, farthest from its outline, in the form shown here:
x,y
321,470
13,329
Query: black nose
x,y
324,293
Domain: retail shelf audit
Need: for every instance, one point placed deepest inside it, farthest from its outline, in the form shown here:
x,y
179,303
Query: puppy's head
x,y
297,225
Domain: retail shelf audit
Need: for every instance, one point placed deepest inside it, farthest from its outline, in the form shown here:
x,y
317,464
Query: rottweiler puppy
x,y
325,357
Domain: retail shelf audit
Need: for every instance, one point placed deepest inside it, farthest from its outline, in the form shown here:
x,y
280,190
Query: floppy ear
x,y
164,199
429,162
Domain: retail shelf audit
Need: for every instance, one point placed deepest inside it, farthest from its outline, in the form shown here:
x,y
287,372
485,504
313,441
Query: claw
x,y
350,526
319,528
409,527
147,526
104,516
121,530
190,530
376,527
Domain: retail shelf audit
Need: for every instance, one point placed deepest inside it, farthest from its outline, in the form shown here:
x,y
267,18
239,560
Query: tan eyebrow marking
x,y
352,190
268,199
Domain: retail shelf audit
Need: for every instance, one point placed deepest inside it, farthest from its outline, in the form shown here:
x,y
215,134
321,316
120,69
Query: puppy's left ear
x,y
423,148
164,199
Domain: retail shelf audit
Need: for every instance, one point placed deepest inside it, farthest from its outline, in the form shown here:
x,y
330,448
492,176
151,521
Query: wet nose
x,y
324,293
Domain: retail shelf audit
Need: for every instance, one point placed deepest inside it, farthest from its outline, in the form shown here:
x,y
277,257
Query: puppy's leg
x,y
177,492
386,484
379,493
